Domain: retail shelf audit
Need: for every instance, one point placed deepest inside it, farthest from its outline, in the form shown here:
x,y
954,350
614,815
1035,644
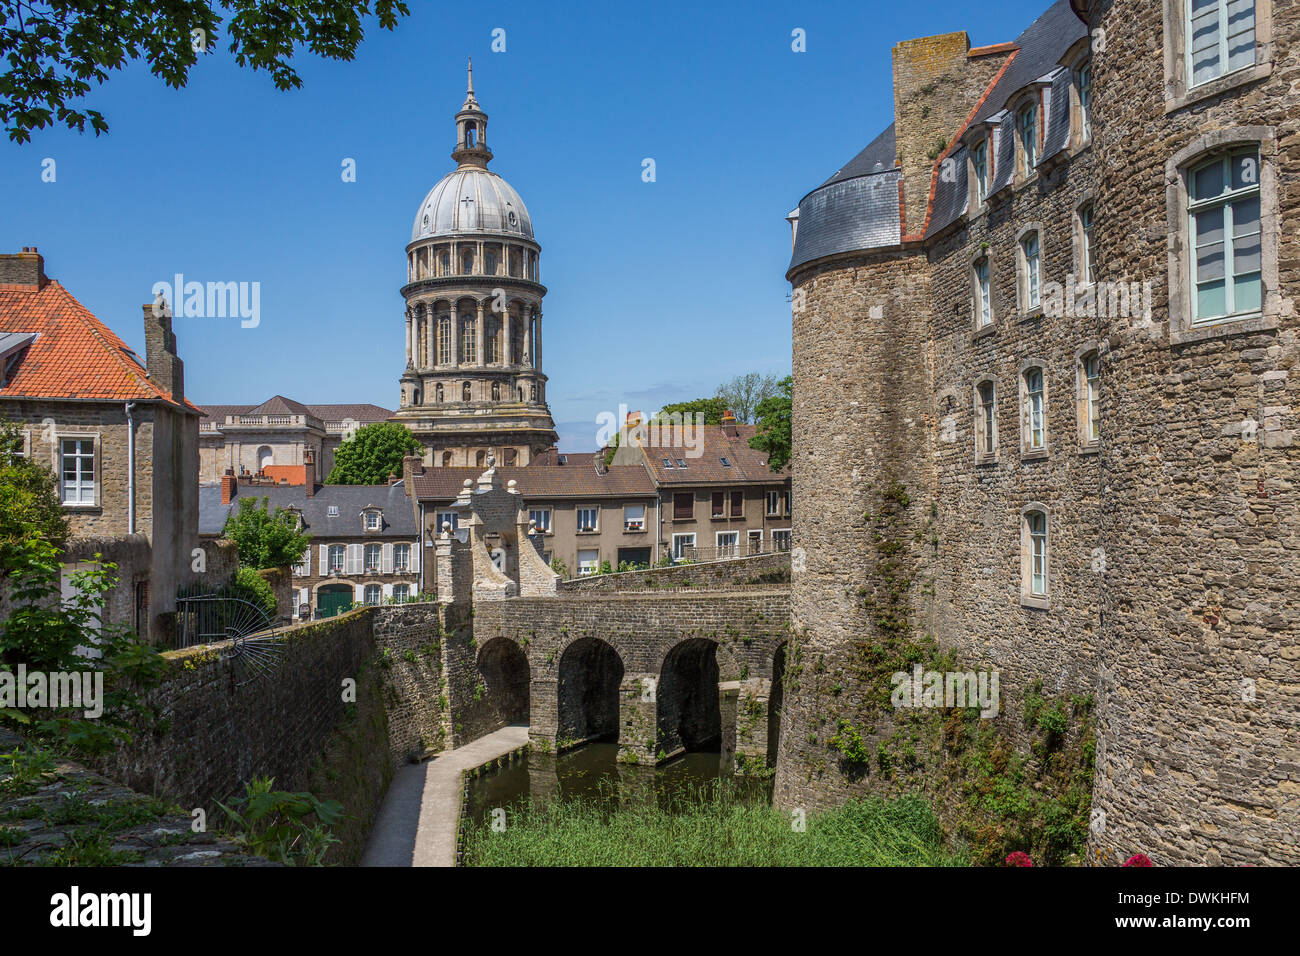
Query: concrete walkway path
x,y
416,826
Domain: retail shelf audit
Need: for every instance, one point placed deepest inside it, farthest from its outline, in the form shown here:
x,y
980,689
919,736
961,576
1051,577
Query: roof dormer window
x,y
373,519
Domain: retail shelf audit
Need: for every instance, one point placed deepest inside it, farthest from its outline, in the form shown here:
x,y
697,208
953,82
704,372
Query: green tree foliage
x,y
54,51
711,408
744,394
29,499
266,539
773,434
372,454
257,590
44,630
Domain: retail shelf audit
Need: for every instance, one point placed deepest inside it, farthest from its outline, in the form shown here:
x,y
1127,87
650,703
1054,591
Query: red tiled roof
x,y
541,481
75,355
748,465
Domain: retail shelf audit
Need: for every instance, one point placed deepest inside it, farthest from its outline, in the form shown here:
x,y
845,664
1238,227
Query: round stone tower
x,y
473,382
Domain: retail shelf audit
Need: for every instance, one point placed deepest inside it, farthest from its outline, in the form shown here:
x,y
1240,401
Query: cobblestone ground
x,y
54,812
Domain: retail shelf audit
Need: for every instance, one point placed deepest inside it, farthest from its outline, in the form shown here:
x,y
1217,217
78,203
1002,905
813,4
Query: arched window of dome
x,y
444,262
467,262
468,342
491,329
444,339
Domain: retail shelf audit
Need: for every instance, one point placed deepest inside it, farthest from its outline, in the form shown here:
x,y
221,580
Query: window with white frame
x,y
1220,38
374,521
773,499
1030,272
1090,398
1027,128
986,420
373,593
588,519
755,541
983,293
781,539
446,518
77,468
1035,557
1224,236
728,544
979,158
540,518
684,547
634,517
588,561
374,557
303,567
1035,410
401,592
337,554
401,558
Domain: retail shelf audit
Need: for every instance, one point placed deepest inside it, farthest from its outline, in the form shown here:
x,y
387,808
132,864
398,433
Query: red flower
x,y
1022,859
1138,859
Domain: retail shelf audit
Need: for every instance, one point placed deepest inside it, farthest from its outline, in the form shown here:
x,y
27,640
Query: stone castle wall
x,y
759,569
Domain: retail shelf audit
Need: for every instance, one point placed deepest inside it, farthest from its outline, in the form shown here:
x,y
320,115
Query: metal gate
x,y
217,617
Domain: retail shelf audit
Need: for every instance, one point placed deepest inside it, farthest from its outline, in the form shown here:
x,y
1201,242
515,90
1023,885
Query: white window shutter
x,y
324,558
387,559
359,593
355,556
388,591
416,550
306,562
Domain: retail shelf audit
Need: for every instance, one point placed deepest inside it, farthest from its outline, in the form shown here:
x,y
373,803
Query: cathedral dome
x,y
472,200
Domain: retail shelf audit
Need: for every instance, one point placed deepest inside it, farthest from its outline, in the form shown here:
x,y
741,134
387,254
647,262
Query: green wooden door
x,y
333,598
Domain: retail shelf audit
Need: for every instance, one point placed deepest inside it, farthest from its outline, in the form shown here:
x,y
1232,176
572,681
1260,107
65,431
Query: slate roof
x,y
399,516
857,207
542,482
363,413
74,355
572,459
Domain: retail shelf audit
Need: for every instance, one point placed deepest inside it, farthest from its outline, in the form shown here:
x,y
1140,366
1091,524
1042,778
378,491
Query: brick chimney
x,y
937,82
309,474
729,424
229,486
412,467
26,268
165,369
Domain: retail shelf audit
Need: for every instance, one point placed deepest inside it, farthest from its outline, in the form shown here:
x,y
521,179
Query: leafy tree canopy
x,y
773,434
54,51
266,539
711,408
744,393
29,499
373,453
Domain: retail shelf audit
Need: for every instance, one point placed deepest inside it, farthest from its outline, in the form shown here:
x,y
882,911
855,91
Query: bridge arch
x,y
505,671
588,693
688,712
775,703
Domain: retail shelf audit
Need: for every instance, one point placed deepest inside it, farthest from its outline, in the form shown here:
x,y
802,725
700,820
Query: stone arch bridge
x,y
659,671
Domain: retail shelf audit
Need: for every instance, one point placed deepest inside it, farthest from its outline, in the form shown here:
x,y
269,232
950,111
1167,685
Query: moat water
x,y
593,773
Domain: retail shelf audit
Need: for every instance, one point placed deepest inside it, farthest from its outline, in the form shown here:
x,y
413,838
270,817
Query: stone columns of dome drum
x,y
478,336
455,337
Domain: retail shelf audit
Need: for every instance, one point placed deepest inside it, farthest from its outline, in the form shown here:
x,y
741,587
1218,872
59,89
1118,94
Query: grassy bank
x,y
713,830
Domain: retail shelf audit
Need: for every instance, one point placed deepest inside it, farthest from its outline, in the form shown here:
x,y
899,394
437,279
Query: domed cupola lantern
x,y
473,383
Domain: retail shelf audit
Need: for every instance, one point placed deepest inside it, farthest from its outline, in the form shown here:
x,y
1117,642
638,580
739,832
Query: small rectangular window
x,y
445,518
1225,237
1036,434
681,462
374,554
78,471
1037,554
986,420
1091,398
1032,274
634,517
737,504
588,561
719,507
668,462
587,519
540,518
1027,122
683,506
980,163
984,300
332,511
726,463
684,547
728,544
1220,38
781,540
773,502
401,558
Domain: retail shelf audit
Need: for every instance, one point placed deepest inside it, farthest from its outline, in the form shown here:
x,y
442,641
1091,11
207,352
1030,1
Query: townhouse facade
x,y
365,547
279,438
1044,350
116,430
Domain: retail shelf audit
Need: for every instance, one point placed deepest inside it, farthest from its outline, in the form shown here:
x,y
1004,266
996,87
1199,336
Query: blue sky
x,y
657,291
